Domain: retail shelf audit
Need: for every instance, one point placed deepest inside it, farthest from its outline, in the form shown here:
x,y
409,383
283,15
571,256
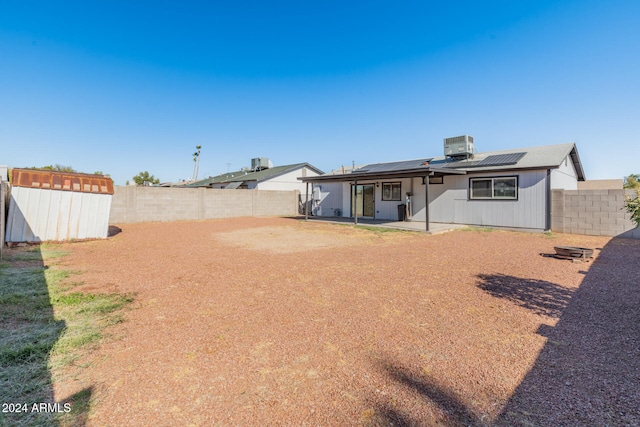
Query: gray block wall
x,y
592,212
147,204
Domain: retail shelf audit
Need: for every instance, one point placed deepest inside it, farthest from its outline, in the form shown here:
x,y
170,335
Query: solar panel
x,y
393,166
493,160
501,159
462,164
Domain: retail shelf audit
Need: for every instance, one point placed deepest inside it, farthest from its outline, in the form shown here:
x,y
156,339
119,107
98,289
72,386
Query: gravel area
x,y
271,321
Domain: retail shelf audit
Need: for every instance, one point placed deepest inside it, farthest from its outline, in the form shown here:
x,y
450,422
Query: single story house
x,y
262,176
506,188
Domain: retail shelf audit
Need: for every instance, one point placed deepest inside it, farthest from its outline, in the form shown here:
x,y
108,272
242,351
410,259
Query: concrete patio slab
x,y
434,227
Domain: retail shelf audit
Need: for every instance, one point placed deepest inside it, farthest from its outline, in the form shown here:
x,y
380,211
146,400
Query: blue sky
x,y
122,87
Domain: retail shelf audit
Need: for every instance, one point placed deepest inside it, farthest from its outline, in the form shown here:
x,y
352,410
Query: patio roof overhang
x,y
356,177
407,173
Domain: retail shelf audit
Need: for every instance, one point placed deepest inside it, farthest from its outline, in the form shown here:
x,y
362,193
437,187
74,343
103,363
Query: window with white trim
x,y
499,188
391,191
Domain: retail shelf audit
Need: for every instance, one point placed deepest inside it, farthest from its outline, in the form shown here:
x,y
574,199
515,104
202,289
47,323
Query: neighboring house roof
x,y
225,177
239,177
545,157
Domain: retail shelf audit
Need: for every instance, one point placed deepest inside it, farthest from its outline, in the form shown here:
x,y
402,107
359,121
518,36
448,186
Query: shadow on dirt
x,y
113,230
539,296
456,412
588,373
78,405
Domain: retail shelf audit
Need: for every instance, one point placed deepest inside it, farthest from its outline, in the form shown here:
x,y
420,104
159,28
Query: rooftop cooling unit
x,y
259,163
459,147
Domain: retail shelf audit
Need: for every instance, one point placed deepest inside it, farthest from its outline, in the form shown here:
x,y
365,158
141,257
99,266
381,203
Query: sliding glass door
x,y
362,200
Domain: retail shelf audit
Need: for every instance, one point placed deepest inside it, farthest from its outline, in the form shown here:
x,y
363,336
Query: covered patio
x,y
407,169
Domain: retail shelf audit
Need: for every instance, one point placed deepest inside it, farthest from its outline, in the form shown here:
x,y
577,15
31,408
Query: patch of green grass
x,y
37,253
44,328
373,228
51,251
105,304
25,256
74,298
380,229
478,229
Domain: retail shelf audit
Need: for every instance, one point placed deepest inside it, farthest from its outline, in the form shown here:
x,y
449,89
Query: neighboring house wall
x,y
564,177
146,204
288,181
592,212
37,215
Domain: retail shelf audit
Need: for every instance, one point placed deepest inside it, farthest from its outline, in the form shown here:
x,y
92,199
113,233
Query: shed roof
x,y
63,181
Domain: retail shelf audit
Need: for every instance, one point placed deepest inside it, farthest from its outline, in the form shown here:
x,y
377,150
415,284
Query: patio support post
x,y
426,201
355,202
306,203
547,222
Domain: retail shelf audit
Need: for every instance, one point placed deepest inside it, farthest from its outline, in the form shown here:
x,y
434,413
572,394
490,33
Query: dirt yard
x,y
257,321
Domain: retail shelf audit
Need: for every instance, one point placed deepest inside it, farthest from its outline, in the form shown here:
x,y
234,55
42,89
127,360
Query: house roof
x,y
544,157
244,176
